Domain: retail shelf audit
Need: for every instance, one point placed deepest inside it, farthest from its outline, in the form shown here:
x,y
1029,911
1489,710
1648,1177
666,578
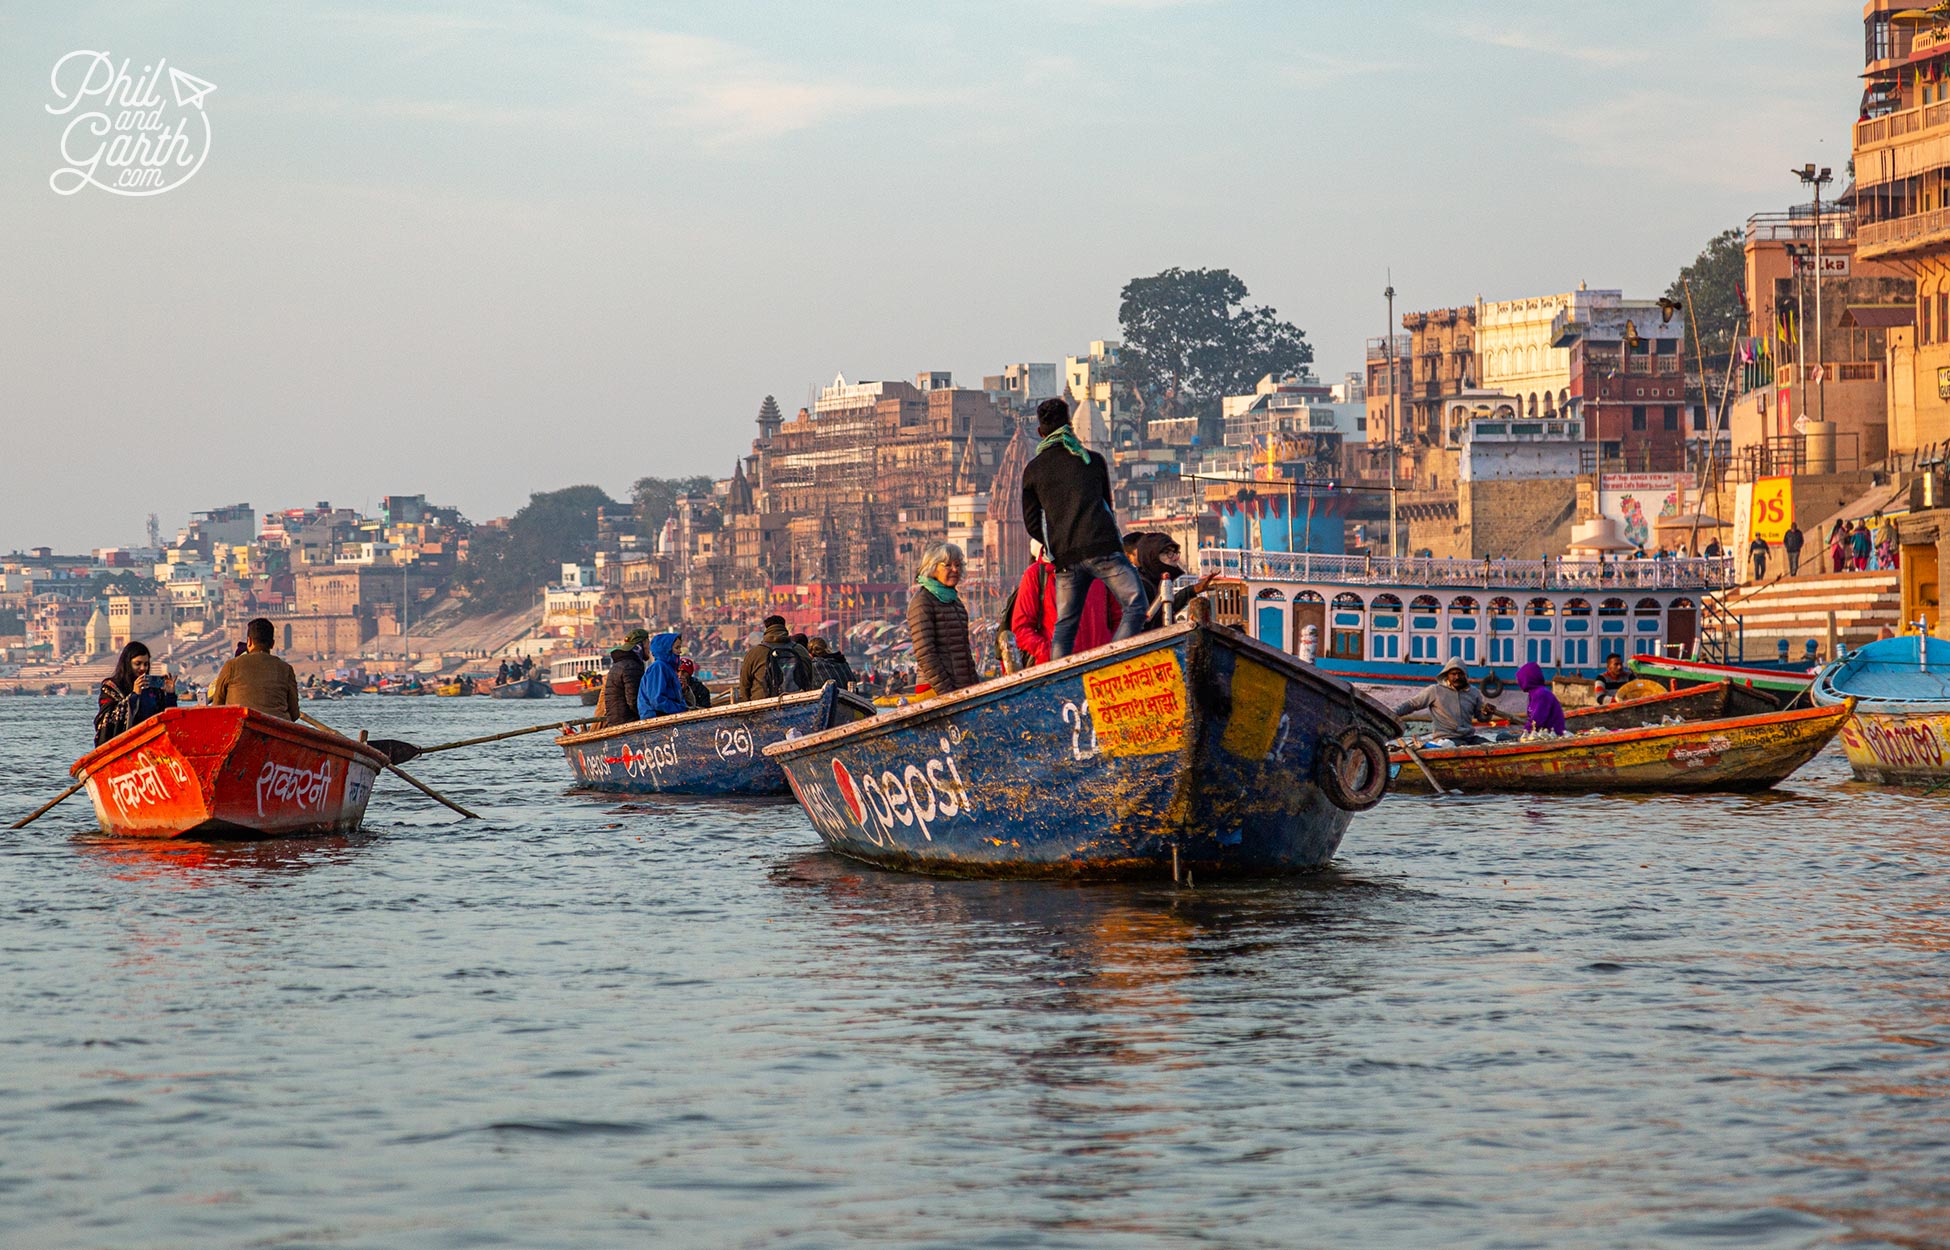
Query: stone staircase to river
x,y
1859,605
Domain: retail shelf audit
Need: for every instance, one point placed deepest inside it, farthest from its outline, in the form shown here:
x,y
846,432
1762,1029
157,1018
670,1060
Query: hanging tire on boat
x,y
1353,771
1492,686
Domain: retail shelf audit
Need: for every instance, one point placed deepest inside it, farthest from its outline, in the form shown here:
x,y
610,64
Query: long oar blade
x,y
395,751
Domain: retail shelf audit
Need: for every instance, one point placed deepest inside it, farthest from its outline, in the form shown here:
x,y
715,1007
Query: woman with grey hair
x,y
937,622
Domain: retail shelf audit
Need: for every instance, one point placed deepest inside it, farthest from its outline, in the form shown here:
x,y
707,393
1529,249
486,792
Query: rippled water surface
x,y
582,1023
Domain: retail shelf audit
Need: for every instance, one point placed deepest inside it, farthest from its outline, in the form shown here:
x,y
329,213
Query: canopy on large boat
x,y
1914,668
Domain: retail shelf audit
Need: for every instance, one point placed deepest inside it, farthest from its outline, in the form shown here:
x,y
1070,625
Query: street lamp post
x,y
1817,179
1798,253
1388,356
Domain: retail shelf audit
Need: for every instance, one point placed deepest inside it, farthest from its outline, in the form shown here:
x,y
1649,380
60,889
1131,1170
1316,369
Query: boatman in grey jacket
x,y
1453,704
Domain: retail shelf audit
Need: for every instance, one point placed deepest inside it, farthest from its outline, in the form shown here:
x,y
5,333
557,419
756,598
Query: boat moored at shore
x,y
1900,731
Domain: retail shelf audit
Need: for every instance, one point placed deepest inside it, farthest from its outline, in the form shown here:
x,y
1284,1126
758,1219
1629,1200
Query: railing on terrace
x,y
1693,573
1896,125
1903,229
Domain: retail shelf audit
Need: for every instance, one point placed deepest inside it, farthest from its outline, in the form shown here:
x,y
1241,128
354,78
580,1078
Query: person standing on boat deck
x,y
129,695
257,679
1757,552
1034,619
1452,703
774,661
1066,504
937,622
621,682
661,692
1791,543
1544,711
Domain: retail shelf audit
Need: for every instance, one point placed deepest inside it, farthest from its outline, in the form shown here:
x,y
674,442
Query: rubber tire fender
x,y
1492,686
1352,770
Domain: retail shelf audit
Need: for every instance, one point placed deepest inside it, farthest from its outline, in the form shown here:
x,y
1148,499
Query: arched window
x,y
1503,630
1540,607
1577,607
1462,603
1612,607
1385,627
1346,638
1533,405
1386,603
1646,626
1309,596
1271,594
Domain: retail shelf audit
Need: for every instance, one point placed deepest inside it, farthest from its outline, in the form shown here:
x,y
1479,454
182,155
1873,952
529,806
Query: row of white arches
x,y
1467,605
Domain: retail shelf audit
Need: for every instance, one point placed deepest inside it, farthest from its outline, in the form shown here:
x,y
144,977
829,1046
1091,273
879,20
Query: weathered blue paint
x,y
710,751
1020,776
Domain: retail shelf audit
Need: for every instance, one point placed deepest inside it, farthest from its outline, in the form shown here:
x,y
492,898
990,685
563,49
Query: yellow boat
x,y
1740,753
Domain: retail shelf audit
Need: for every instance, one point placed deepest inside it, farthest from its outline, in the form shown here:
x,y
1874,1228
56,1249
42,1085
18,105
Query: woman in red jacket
x,y
1035,613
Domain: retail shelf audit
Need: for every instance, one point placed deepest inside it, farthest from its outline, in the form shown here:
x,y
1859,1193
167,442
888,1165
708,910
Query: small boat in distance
x,y
227,772
1191,747
1900,731
525,688
1740,753
714,750
570,675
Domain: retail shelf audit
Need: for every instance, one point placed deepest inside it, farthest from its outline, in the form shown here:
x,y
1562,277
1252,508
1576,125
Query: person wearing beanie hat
x,y
620,684
1066,504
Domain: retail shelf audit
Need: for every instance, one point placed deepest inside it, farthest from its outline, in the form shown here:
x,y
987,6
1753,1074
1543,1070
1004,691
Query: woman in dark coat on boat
x,y
1156,559
129,695
620,684
937,622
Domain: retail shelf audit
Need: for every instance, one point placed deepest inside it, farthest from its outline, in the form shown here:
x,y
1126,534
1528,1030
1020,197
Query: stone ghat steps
x,y
1863,604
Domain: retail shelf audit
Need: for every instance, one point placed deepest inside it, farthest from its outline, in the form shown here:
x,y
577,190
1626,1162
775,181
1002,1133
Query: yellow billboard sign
x,y
1773,508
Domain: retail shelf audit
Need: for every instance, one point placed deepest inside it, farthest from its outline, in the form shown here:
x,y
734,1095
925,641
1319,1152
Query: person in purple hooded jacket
x,y
1545,711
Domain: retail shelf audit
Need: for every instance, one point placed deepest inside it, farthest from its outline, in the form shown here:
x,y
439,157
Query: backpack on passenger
x,y
782,671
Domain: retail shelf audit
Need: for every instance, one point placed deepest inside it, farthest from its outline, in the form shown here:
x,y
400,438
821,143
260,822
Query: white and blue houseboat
x,y
1385,622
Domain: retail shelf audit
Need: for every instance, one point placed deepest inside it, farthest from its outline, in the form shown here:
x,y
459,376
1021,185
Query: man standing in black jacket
x,y
1066,507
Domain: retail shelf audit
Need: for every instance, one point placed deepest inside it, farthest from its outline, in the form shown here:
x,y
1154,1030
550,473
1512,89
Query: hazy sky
x,y
481,249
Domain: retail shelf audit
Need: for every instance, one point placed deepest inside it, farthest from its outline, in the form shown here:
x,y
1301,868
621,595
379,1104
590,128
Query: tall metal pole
x,y
1800,336
1821,381
1394,413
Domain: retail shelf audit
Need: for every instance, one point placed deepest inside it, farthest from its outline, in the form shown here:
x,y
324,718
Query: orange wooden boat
x,y
228,772
1741,753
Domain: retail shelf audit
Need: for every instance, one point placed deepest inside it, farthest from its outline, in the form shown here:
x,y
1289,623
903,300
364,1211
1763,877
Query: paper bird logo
x,y
123,134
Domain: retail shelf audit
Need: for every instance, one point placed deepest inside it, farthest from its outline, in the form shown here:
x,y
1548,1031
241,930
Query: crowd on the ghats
x,y
1088,585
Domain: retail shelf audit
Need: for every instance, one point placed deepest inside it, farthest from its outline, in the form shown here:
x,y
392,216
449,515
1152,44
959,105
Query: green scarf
x,y
1065,438
945,594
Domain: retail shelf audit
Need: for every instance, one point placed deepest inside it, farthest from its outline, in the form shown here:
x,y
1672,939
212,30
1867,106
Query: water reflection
x,y
188,864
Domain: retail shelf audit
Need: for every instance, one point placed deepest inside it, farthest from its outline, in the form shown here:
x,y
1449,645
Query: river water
x,y
581,1023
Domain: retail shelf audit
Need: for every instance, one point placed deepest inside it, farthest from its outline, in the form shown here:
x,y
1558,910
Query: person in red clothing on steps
x,y
1035,615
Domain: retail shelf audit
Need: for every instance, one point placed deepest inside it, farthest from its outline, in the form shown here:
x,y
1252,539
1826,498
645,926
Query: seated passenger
x,y
1453,705
130,695
257,679
1545,712
662,691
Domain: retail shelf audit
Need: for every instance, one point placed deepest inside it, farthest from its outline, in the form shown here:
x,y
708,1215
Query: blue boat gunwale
x,y
1362,705
1903,654
701,715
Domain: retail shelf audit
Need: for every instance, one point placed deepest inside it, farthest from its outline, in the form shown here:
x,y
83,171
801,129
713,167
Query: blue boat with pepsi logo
x,y
711,751
1191,749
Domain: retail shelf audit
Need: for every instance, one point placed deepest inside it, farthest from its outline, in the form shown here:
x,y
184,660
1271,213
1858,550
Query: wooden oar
x,y
1423,765
397,771
50,805
400,752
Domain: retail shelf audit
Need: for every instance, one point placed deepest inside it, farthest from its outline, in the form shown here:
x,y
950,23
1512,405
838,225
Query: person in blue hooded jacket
x,y
662,690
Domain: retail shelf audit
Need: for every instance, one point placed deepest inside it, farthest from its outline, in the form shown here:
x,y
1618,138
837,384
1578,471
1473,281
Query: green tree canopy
x,y
1715,277
508,568
1191,337
654,497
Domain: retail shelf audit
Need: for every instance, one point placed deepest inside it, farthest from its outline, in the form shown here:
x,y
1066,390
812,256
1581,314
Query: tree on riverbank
x,y
655,496
1715,277
507,568
1190,337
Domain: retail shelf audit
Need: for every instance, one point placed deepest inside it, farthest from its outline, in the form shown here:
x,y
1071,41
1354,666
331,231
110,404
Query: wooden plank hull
x,y
1189,747
1898,748
1741,753
712,751
1777,680
225,772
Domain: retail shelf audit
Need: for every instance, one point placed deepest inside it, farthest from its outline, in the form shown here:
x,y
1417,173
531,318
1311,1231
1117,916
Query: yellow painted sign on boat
x,y
1138,706
1258,698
